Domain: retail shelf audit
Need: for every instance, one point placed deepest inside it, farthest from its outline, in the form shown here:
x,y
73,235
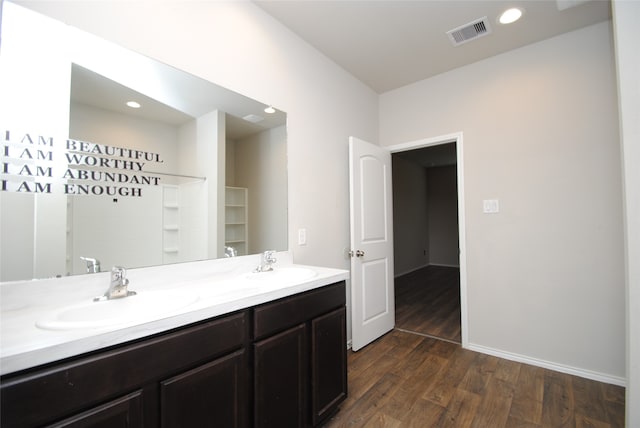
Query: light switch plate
x,y
490,206
302,236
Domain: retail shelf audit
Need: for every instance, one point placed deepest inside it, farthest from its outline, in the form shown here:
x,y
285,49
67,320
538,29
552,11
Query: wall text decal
x,y
41,164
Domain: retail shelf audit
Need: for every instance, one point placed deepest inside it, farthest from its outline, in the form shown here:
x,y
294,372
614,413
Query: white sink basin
x,y
145,305
282,275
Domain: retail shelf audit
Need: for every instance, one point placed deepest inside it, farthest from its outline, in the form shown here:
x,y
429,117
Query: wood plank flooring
x,y
409,380
428,302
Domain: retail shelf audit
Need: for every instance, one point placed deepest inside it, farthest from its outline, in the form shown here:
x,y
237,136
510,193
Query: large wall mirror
x,y
195,172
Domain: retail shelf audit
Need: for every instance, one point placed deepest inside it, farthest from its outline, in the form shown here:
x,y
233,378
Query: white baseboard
x,y
587,374
443,265
397,275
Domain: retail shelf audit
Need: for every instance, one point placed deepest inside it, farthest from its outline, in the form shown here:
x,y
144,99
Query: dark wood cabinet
x,y
213,394
300,361
280,364
125,412
281,370
328,364
83,387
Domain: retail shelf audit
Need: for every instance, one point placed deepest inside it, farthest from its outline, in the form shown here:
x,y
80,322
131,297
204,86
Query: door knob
x,y
357,253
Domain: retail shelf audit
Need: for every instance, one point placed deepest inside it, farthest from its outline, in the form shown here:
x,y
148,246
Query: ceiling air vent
x,y
471,31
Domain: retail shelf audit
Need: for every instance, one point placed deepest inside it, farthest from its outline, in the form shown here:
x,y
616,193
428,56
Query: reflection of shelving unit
x,y
170,223
236,233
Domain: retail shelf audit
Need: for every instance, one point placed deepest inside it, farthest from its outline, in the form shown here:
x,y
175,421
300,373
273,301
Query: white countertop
x,y
218,286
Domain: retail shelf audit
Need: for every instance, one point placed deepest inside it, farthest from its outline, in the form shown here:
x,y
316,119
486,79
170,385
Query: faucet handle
x,y
118,286
118,273
119,283
270,256
267,259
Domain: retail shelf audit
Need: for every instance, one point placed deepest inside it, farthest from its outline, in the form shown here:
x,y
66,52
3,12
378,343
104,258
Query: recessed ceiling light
x,y
510,15
269,110
133,104
253,118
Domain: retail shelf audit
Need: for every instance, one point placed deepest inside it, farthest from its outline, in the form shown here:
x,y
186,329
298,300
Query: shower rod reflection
x,y
170,174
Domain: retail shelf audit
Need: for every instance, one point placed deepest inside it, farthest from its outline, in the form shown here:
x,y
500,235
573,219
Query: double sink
x,y
151,304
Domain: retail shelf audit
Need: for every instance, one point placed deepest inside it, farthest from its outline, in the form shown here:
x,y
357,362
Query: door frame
x,y
456,138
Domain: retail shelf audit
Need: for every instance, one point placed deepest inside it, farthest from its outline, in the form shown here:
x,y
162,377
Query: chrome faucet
x,y
93,265
267,259
118,286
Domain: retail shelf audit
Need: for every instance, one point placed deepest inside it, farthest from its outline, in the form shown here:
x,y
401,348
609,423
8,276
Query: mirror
x,y
196,172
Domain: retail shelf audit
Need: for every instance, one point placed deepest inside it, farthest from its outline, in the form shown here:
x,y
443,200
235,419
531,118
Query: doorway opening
x,y
428,217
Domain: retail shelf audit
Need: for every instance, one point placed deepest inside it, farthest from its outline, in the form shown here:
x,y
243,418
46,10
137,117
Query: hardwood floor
x,y
428,302
408,380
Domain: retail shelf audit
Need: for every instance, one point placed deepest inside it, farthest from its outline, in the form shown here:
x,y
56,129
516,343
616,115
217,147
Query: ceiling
x,y
388,44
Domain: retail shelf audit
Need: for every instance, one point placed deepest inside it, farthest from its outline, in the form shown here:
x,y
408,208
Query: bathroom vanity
x,y
269,356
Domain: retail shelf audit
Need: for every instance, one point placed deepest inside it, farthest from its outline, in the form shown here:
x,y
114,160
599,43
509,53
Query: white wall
x,y
136,221
261,167
33,254
442,197
410,216
100,126
425,216
545,275
230,163
194,197
626,15
210,159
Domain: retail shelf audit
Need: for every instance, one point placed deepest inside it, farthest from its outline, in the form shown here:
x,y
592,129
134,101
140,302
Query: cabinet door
x,y
328,364
281,378
214,394
125,412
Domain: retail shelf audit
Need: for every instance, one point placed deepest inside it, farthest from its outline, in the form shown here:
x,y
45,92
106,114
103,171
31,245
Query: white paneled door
x,y
372,293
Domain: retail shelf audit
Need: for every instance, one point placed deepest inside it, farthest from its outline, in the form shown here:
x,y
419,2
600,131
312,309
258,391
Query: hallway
x,y
428,302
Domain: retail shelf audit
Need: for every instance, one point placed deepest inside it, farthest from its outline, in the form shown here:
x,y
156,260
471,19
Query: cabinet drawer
x,y
51,393
289,311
